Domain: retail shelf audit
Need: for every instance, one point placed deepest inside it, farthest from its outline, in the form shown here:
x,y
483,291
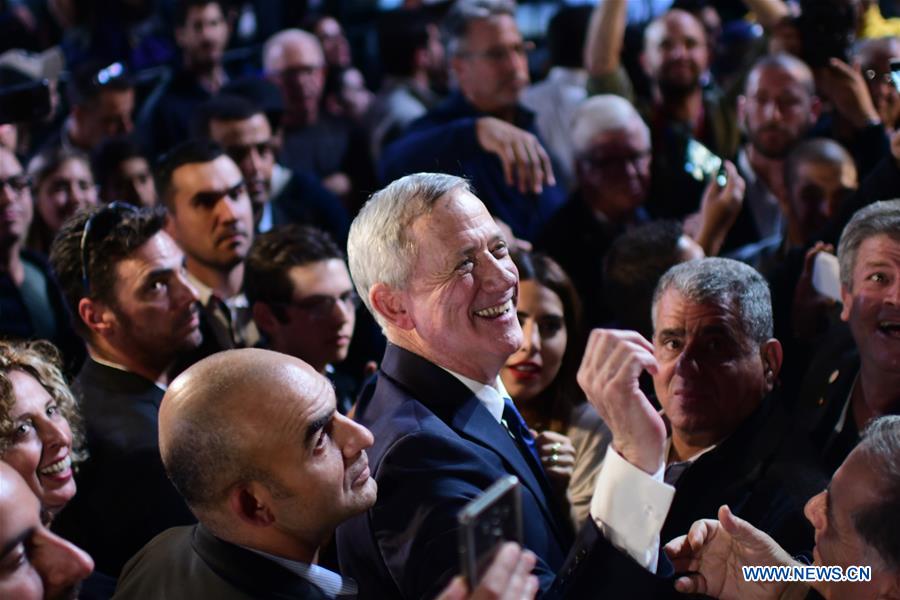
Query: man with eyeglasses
x,y
613,158
279,195
481,131
31,304
124,280
333,148
303,300
211,219
101,97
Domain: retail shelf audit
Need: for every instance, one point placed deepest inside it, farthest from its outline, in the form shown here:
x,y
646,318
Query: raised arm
x,y
768,12
606,34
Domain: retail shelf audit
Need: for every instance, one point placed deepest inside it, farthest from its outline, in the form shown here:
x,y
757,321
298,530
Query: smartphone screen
x,y
702,164
485,523
895,73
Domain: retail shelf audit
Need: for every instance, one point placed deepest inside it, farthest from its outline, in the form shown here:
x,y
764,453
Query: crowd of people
x,y
283,289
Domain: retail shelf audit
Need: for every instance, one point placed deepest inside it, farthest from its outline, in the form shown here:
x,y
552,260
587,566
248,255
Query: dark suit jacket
x,y
761,473
124,497
189,563
436,448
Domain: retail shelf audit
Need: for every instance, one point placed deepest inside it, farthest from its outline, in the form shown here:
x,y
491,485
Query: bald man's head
x,y
252,441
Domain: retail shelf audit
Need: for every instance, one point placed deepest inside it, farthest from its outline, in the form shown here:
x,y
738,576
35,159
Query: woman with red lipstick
x,y
540,377
39,422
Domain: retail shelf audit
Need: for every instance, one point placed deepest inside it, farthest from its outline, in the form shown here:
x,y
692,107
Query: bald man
x,y
35,563
253,442
330,147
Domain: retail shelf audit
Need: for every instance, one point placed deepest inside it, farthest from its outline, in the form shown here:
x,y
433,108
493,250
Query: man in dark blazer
x,y
268,480
123,278
434,269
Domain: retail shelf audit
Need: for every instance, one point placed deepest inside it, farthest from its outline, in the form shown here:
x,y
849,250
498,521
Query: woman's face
x,y
64,191
535,365
41,443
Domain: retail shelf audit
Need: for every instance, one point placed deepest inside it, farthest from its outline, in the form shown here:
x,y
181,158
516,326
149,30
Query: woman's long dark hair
x,y
563,392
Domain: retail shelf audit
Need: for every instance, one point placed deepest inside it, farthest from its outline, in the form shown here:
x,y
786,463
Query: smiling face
x,y
872,304
536,364
460,300
675,52
41,445
211,216
711,374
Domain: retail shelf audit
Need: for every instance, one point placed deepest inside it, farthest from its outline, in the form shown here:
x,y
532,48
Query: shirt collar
x,y
491,396
331,583
118,367
204,293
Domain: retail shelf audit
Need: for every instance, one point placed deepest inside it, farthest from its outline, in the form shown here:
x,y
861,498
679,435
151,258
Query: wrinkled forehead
x,y
775,78
675,310
674,25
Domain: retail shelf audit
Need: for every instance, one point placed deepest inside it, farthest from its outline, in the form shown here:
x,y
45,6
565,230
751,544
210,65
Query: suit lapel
x,y
459,408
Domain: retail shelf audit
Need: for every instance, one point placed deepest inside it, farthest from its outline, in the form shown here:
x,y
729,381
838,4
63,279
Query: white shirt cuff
x,y
630,507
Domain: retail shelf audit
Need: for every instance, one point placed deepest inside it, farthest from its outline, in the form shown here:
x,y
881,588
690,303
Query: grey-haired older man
x,y
431,264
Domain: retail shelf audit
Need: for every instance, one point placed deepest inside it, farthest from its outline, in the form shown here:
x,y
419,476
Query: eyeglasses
x,y
618,163
97,227
321,306
17,183
499,53
107,74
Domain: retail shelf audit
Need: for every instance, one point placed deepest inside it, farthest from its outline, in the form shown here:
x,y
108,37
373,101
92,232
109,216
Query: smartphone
x,y
485,523
25,102
702,164
826,276
895,73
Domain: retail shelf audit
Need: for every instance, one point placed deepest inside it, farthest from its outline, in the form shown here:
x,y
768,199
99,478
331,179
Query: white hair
x,y
274,46
603,113
380,248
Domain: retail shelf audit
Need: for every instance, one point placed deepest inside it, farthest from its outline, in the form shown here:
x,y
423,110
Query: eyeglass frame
x,y
323,305
497,54
118,209
8,181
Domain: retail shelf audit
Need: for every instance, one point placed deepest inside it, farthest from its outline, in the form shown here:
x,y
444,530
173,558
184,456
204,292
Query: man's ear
x,y
391,305
96,316
815,109
742,111
264,318
772,357
249,503
846,303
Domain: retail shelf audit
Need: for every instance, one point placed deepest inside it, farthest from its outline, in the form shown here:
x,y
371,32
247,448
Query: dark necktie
x,y
517,428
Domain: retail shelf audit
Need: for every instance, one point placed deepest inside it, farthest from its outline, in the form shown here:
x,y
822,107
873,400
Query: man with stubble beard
x,y
777,110
211,218
680,107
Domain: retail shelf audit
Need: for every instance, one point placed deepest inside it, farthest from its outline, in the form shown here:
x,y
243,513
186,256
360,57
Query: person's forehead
x,y
211,10
9,164
215,175
19,507
492,31
680,24
136,165
775,79
823,174
675,310
328,27
630,137
159,252
252,130
536,298
457,218
110,99
855,485
880,247
319,276
29,393
301,52
73,168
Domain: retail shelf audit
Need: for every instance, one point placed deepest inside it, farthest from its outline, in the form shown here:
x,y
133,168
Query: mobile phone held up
x,y
895,73
702,164
485,523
